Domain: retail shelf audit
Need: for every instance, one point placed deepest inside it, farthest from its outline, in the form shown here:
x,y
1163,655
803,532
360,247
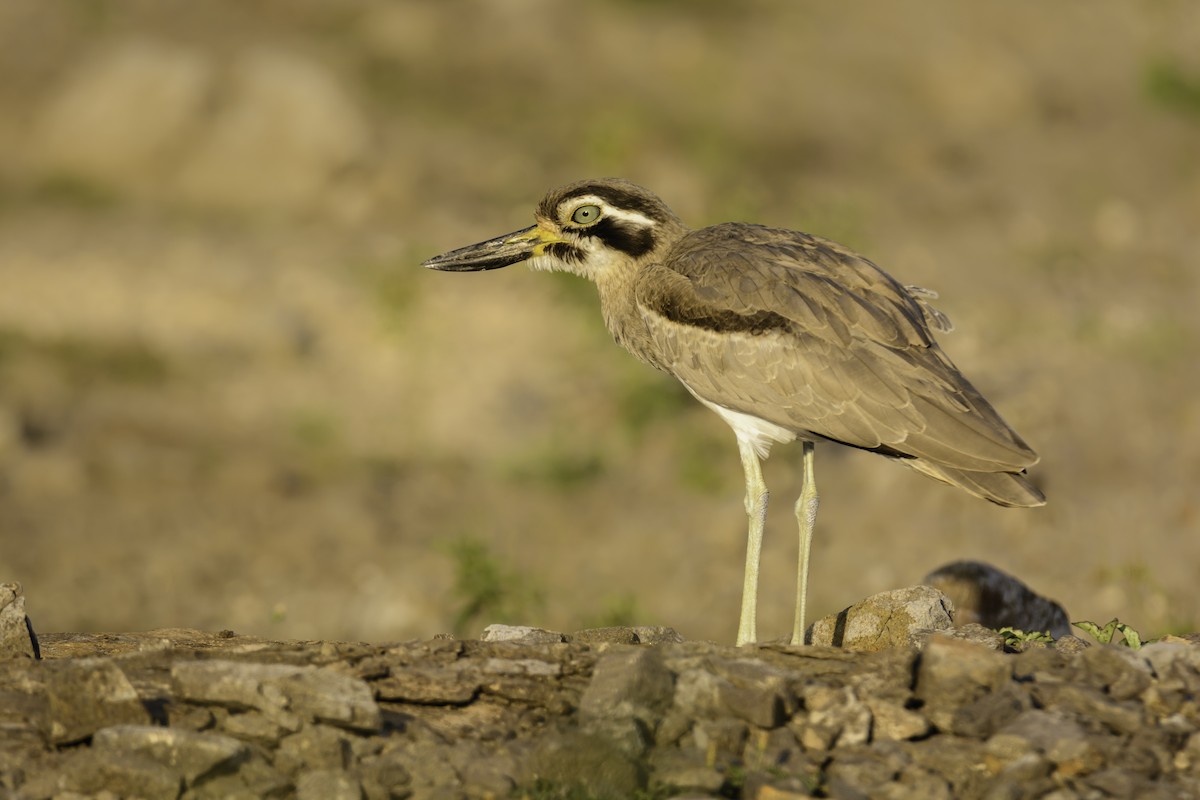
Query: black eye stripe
x,y
628,237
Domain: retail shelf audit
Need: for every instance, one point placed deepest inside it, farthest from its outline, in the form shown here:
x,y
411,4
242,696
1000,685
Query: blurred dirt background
x,y
230,397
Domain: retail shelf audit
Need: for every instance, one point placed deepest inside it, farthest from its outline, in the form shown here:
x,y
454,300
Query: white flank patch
x,y
759,433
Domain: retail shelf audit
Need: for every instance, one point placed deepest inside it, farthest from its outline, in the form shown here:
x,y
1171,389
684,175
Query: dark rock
x,y
994,599
86,695
884,620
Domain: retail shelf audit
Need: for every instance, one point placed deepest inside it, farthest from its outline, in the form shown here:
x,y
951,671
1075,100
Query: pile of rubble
x,y
607,713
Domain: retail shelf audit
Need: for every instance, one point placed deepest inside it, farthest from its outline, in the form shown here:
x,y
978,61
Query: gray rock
x,y
953,673
255,777
521,634
17,638
1092,704
834,717
994,599
1174,661
722,741
884,620
194,756
92,772
636,634
315,747
593,766
970,632
990,712
1040,730
1120,672
327,784
86,695
755,691
864,770
629,691
893,722
286,694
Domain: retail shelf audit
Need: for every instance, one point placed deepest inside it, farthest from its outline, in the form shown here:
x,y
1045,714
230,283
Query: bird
x,y
785,335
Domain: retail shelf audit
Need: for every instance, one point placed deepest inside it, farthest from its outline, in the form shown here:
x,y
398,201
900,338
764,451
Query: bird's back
x,y
809,336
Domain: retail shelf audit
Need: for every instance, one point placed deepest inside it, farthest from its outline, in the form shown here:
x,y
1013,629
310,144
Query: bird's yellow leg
x,y
806,515
756,511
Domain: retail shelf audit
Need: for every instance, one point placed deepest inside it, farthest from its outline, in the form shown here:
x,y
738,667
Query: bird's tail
x,y
1011,489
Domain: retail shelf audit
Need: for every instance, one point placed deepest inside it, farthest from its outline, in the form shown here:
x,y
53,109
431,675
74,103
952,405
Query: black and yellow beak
x,y
512,248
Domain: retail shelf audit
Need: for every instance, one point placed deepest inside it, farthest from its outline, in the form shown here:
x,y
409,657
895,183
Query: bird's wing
x,y
804,333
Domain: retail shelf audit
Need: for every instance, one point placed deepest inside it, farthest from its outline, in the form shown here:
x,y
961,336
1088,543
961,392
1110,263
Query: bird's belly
x,y
757,431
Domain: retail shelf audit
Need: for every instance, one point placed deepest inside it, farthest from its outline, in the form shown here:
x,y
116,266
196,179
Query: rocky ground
x,y
602,713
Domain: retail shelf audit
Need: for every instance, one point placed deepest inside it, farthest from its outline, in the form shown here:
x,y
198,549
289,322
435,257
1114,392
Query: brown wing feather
x,y
803,333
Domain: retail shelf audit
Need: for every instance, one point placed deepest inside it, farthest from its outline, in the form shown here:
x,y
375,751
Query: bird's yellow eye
x,y
586,215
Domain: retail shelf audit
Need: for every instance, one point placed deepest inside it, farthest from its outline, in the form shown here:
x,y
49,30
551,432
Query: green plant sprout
x,y
1015,637
1104,635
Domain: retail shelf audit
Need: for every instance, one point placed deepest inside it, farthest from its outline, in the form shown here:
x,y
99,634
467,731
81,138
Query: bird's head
x,y
588,228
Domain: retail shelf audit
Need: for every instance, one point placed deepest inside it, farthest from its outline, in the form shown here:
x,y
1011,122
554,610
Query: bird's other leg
x,y
756,511
806,515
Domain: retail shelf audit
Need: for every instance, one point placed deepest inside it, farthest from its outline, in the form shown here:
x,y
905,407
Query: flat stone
x,y
285,693
193,755
17,639
428,685
970,632
521,634
884,620
86,695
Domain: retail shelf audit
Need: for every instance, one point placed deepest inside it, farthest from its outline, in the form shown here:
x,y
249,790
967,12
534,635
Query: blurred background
x,y
231,398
